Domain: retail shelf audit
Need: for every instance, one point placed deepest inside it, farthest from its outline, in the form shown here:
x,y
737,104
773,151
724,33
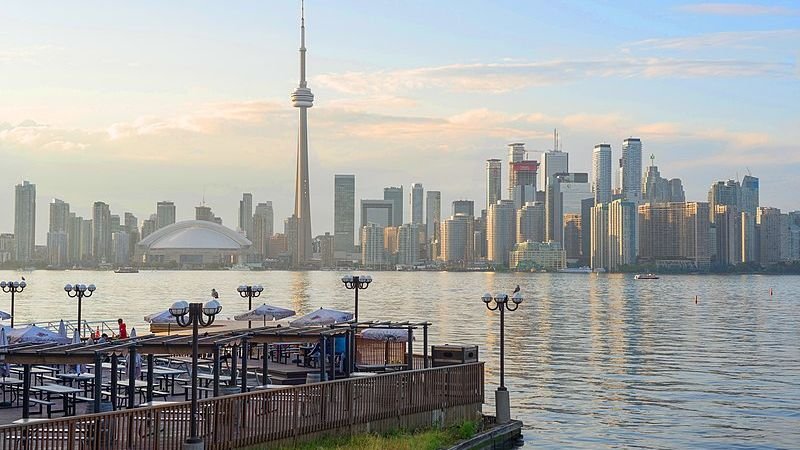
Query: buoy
x,y
695,299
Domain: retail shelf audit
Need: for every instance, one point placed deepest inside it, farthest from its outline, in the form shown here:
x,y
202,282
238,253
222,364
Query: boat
x,y
127,270
583,269
240,266
645,276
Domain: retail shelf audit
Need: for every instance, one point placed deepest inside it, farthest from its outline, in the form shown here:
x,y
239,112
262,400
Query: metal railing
x,y
88,327
260,416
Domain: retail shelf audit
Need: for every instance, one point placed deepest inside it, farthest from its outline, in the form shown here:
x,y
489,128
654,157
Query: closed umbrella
x,y
62,329
137,363
265,312
4,369
76,339
322,316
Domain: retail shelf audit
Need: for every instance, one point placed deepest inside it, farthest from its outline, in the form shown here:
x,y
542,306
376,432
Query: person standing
x,y
123,329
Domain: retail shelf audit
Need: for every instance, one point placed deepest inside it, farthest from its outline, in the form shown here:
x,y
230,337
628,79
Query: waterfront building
x,y
458,243
416,204
522,184
59,215
344,213
538,256
466,207
390,244
748,198
246,215
728,228
74,232
372,248
574,188
768,224
7,247
193,244
553,162
379,212
87,241
277,246
165,214
433,215
494,182
149,225
516,153
116,223
748,240
101,233
586,231
290,231
408,244
263,228
500,232
25,221
326,252
632,169
395,194
600,252
656,189
131,222
531,223
121,243
302,98
675,234
622,236
572,237
725,193
601,173
57,249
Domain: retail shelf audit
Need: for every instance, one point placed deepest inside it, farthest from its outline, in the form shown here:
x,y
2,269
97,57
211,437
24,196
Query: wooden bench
x,y
43,403
121,398
51,378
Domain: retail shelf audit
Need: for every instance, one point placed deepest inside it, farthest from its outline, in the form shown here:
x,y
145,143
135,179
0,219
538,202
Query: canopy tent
x,y
34,334
265,312
321,317
160,317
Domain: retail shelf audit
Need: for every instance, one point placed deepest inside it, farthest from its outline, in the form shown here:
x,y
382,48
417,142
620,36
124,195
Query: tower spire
x,y
302,44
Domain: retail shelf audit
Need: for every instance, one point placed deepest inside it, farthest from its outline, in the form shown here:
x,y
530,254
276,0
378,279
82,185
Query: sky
x,y
136,102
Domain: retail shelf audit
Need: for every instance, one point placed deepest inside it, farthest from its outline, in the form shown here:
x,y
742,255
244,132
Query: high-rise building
x,y
622,237
600,251
768,223
25,221
522,183
87,241
116,223
728,229
165,214
457,234
531,222
379,212
466,207
749,253
204,212
290,231
121,244
553,162
416,204
277,246
7,247
538,255
131,222
675,234
408,244
656,189
326,251
574,187
149,225
494,183
395,194
57,248
390,244
516,153
101,233
246,215
59,215
632,169
303,99
433,214
74,233
372,252
344,212
572,236
263,223
586,231
500,232
748,197
601,173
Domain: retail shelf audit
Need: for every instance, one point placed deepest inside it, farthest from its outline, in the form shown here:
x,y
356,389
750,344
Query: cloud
x,y
737,9
505,77
24,54
734,39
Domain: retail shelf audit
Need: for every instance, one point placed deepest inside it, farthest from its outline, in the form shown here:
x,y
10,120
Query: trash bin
x,y
101,434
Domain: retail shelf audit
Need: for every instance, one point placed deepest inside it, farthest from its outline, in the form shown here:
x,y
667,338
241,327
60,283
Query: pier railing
x,y
260,416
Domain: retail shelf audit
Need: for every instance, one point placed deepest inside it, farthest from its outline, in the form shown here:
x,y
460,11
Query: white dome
x,y
195,234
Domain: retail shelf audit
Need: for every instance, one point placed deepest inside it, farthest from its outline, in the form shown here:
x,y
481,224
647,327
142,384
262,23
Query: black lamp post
x,y
356,282
79,291
194,314
13,287
501,302
249,292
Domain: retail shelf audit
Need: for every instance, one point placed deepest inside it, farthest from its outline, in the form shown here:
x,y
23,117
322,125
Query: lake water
x,y
592,361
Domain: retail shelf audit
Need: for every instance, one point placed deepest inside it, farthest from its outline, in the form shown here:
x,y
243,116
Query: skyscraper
x,y
416,204
466,207
246,215
379,212
601,173
59,215
408,244
101,233
656,189
522,182
344,213
433,214
749,195
57,235
675,232
165,214
372,252
531,222
263,224
632,169
516,153
395,194
303,99
553,162
622,238
500,232
25,221
494,183
457,240
768,221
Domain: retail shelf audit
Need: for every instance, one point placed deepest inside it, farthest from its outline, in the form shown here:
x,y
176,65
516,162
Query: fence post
x,y
295,413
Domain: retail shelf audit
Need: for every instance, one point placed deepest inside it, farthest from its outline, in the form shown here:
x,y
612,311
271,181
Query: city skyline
x,y
641,84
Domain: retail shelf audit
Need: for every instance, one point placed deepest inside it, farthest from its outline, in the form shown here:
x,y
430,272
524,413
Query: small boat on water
x,y
127,270
583,269
645,276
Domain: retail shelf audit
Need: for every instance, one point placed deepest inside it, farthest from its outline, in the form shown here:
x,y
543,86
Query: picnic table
x,y
167,374
67,393
11,387
38,373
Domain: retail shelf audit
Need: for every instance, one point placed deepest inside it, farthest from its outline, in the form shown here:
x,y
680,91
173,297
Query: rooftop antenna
x,y
652,160
555,139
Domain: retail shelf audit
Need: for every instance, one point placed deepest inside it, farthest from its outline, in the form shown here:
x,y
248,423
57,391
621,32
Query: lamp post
x,y
79,291
356,282
13,287
501,302
249,292
194,314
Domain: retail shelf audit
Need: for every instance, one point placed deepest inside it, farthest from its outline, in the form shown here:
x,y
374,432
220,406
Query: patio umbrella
x,y
133,333
386,334
76,339
37,335
265,312
62,329
322,316
4,369
160,317
4,315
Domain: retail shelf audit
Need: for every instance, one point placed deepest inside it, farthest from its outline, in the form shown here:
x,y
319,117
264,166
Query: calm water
x,y
592,361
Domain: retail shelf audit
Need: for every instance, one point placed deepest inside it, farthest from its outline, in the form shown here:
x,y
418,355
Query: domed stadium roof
x,y
195,234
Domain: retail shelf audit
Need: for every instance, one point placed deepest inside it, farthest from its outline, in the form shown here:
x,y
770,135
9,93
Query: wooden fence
x,y
260,416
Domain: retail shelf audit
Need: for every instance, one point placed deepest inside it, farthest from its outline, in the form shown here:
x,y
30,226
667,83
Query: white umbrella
x,y
37,335
160,317
4,315
133,333
4,369
322,316
385,334
265,312
76,339
62,329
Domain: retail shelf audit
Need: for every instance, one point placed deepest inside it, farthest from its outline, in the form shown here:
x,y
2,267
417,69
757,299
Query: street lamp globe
x,y
501,298
91,288
22,284
179,308
2,284
67,288
487,298
212,308
15,284
517,298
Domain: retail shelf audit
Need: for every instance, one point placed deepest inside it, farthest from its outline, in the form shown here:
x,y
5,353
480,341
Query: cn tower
x,y
302,98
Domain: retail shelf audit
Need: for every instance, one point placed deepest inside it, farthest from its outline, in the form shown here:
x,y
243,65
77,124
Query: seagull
x,y
23,278
516,290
